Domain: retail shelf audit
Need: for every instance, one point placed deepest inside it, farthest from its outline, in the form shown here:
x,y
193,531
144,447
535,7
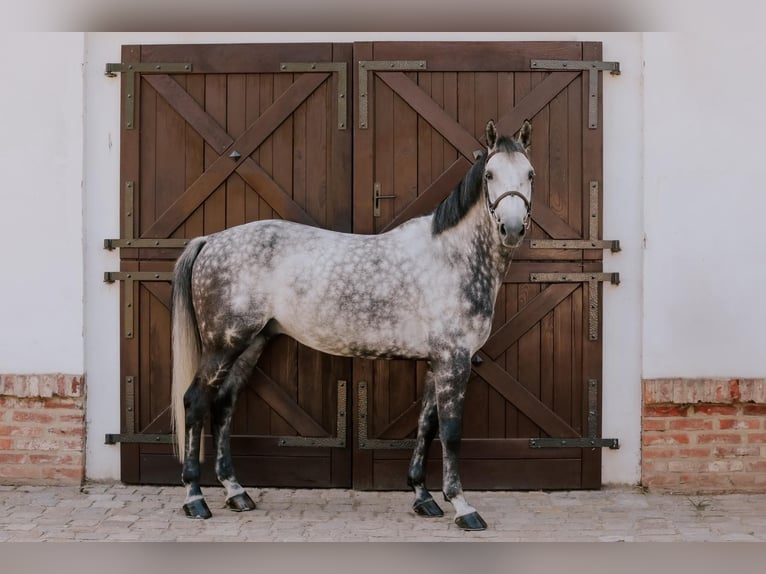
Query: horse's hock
x,y
42,429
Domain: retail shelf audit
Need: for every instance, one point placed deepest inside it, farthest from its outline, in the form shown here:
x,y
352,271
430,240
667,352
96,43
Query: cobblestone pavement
x,y
117,512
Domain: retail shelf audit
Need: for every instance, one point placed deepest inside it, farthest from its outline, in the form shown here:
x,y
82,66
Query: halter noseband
x,y
492,206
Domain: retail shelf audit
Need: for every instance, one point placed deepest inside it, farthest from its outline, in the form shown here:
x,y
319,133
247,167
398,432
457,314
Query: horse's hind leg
x,y
428,425
451,379
221,412
212,370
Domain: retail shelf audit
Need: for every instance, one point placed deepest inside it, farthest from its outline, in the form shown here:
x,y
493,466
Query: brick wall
x,y
42,429
701,435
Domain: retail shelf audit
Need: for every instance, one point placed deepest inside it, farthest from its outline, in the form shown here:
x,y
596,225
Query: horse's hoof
x,y
197,509
471,522
240,502
427,508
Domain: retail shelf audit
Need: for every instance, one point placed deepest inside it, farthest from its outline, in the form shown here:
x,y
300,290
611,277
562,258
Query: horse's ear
x,y
525,135
491,134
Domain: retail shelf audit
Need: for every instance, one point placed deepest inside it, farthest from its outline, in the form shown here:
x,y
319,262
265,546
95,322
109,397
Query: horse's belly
x,y
358,339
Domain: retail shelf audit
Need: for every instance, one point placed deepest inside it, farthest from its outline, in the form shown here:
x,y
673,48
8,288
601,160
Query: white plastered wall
x,y
705,200
41,224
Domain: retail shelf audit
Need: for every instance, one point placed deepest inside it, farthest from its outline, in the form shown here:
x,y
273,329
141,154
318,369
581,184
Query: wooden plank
x,y
235,127
363,158
426,174
145,191
529,315
458,136
195,158
214,207
383,114
522,399
220,169
238,58
529,362
191,110
477,56
433,194
406,160
562,361
529,101
284,405
592,350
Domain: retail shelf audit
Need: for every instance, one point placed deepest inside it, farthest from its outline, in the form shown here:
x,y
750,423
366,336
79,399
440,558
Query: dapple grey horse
x,y
424,290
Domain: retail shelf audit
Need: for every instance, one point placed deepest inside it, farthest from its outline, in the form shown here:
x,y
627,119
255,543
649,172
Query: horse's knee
x,y
195,403
450,433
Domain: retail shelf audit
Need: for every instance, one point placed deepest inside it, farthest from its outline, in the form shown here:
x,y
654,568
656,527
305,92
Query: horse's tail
x,y
186,340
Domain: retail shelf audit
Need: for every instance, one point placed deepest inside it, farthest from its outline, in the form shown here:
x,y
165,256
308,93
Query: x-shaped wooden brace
x,y
238,159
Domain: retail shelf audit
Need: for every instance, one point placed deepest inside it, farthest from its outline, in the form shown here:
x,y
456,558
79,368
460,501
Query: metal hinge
x,y
336,67
592,279
590,441
130,85
593,68
127,239
129,277
375,443
366,66
338,441
593,242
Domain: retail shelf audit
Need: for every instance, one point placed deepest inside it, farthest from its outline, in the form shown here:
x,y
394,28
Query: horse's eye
x,y
488,175
531,175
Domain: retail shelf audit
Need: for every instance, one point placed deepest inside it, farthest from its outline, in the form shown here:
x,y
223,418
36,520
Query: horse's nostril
x,y
502,229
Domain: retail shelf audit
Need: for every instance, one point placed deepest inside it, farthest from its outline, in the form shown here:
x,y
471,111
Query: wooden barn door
x,y
218,135
420,115
215,136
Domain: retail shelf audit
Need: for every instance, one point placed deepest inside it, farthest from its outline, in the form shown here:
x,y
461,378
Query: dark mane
x,y
460,201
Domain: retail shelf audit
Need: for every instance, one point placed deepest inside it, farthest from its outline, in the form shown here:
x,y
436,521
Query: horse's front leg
x,y
428,425
451,380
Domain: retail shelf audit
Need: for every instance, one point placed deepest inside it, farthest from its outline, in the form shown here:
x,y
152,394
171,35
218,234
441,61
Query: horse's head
x,y
508,177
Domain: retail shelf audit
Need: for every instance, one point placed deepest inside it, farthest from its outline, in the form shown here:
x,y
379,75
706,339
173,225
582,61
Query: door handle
x,y
376,197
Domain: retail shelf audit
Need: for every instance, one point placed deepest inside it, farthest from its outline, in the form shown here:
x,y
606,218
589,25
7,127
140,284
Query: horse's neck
x,y
476,237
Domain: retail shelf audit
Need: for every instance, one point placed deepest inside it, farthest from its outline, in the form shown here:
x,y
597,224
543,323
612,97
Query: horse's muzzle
x,y
512,235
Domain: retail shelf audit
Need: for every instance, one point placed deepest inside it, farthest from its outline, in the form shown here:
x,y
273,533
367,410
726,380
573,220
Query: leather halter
x,y
492,206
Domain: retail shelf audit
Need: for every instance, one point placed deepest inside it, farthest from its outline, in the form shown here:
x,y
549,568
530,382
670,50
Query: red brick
x,y
757,466
71,474
715,409
20,430
658,453
733,451
65,431
665,439
655,424
32,416
725,424
57,459
670,411
694,452
21,471
722,438
71,418
63,403
755,410
691,424
35,444
13,458
5,444
756,437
